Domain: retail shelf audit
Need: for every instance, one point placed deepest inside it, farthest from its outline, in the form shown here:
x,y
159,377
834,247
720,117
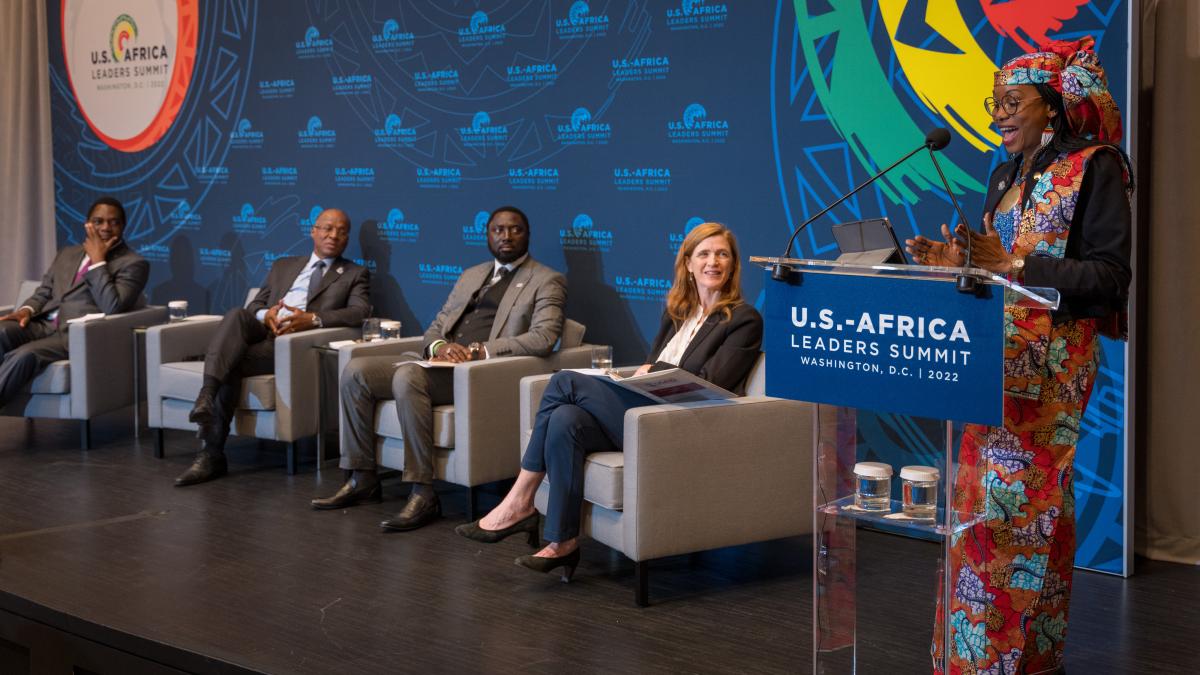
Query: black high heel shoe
x,y
545,565
528,524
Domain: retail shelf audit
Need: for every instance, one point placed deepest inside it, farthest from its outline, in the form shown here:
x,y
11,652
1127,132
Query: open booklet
x,y
666,386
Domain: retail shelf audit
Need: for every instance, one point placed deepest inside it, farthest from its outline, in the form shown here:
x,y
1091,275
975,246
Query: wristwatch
x,y
1017,268
476,350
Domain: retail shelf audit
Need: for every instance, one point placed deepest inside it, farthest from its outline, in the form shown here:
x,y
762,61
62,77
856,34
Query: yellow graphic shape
x,y
123,30
953,85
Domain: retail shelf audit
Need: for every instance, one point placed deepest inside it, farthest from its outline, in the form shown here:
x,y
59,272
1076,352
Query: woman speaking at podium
x,y
1056,215
707,329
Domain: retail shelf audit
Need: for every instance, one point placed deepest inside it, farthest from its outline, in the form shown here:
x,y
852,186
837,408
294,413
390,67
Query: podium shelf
x,y
1015,294
845,508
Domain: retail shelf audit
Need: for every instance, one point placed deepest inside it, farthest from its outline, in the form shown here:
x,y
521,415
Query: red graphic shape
x,y
1030,22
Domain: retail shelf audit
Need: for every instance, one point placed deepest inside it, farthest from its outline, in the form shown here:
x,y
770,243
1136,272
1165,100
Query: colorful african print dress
x,y
1012,571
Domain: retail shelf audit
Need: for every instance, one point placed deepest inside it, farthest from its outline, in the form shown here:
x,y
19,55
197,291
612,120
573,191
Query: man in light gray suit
x,y
101,275
510,306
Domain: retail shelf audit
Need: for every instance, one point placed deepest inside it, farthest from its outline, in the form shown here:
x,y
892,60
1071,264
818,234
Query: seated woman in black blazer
x,y
707,329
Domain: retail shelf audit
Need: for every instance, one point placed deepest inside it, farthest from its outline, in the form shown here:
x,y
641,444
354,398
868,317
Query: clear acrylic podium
x,y
847,390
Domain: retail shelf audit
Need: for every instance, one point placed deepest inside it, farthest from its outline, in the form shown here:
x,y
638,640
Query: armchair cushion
x,y
603,479
182,380
387,423
55,379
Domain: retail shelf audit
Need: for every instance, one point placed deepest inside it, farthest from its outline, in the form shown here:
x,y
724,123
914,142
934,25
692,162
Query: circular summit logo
x,y
130,68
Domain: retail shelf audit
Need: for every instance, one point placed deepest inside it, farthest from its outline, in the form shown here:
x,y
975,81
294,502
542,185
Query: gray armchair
x,y
658,497
475,437
281,406
95,379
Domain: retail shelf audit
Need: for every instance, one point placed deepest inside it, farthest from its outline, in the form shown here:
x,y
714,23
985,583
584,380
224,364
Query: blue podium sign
x,y
904,345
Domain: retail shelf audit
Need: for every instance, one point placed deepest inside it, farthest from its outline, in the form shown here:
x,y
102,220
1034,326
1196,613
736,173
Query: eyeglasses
x,y
339,232
1010,104
101,221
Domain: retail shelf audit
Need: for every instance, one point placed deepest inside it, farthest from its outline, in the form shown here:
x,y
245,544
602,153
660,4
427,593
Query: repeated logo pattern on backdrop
x,y
617,125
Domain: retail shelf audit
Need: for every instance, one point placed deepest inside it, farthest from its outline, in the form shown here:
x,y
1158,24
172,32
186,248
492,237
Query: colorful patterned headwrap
x,y
1073,70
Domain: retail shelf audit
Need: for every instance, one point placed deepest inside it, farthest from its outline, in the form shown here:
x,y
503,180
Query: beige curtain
x,y
1167,516
26,165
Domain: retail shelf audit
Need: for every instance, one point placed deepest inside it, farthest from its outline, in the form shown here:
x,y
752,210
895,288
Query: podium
x,y
865,342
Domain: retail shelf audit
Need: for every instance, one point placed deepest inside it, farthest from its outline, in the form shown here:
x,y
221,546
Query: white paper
x,y
87,317
338,344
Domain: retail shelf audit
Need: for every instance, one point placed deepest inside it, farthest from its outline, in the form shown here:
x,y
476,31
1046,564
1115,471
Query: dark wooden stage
x,y
105,567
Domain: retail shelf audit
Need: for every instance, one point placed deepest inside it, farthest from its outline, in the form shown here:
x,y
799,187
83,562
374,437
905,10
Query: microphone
x,y
934,140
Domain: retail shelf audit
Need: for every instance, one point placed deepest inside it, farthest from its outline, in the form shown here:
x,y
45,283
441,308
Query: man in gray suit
x,y
320,290
101,275
510,306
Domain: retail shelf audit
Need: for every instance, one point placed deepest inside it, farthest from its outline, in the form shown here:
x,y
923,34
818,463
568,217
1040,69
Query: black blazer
x,y
342,299
723,352
112,288
1094,274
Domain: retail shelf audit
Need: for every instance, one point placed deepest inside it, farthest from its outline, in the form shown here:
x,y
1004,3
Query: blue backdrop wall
x,y
614,125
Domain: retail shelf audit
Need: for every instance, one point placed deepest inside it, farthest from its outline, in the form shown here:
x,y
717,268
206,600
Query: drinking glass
x,y
602,357
389,329
177,310
371,330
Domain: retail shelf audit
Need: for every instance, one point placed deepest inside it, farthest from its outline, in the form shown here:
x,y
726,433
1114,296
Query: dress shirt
x,y
511,267
674,350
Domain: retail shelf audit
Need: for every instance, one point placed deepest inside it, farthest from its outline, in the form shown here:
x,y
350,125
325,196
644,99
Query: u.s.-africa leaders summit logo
x,y
130,67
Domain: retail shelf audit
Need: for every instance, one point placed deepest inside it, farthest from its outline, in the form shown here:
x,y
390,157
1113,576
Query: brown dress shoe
x,y
207,466
352,493
418,511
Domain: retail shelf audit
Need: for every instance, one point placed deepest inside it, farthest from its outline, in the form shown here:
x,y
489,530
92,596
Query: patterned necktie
x,y
314,282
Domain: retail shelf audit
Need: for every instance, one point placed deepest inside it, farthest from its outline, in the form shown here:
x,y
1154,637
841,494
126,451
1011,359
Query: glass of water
x,y
371,330
602,357
177,310
389,330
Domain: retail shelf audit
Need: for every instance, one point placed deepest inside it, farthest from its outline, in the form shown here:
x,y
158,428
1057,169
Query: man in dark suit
x,y
509,306
101,275
322,290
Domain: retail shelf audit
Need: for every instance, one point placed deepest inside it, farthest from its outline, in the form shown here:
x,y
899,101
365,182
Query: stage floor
x,y
242,574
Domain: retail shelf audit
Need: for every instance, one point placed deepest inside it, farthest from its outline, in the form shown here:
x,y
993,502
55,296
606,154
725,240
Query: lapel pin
x,y
1002,185
339,270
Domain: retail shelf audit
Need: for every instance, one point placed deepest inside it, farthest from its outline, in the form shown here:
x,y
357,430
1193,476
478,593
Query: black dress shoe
x,y
204,411
207,467
528,524
418,511
546,565
352,493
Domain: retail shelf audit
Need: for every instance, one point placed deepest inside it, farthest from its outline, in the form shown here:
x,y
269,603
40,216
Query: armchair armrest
x,y
486,417
390,347
571,357
297,400
6,309
755,450
170,343
531,390
101,353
